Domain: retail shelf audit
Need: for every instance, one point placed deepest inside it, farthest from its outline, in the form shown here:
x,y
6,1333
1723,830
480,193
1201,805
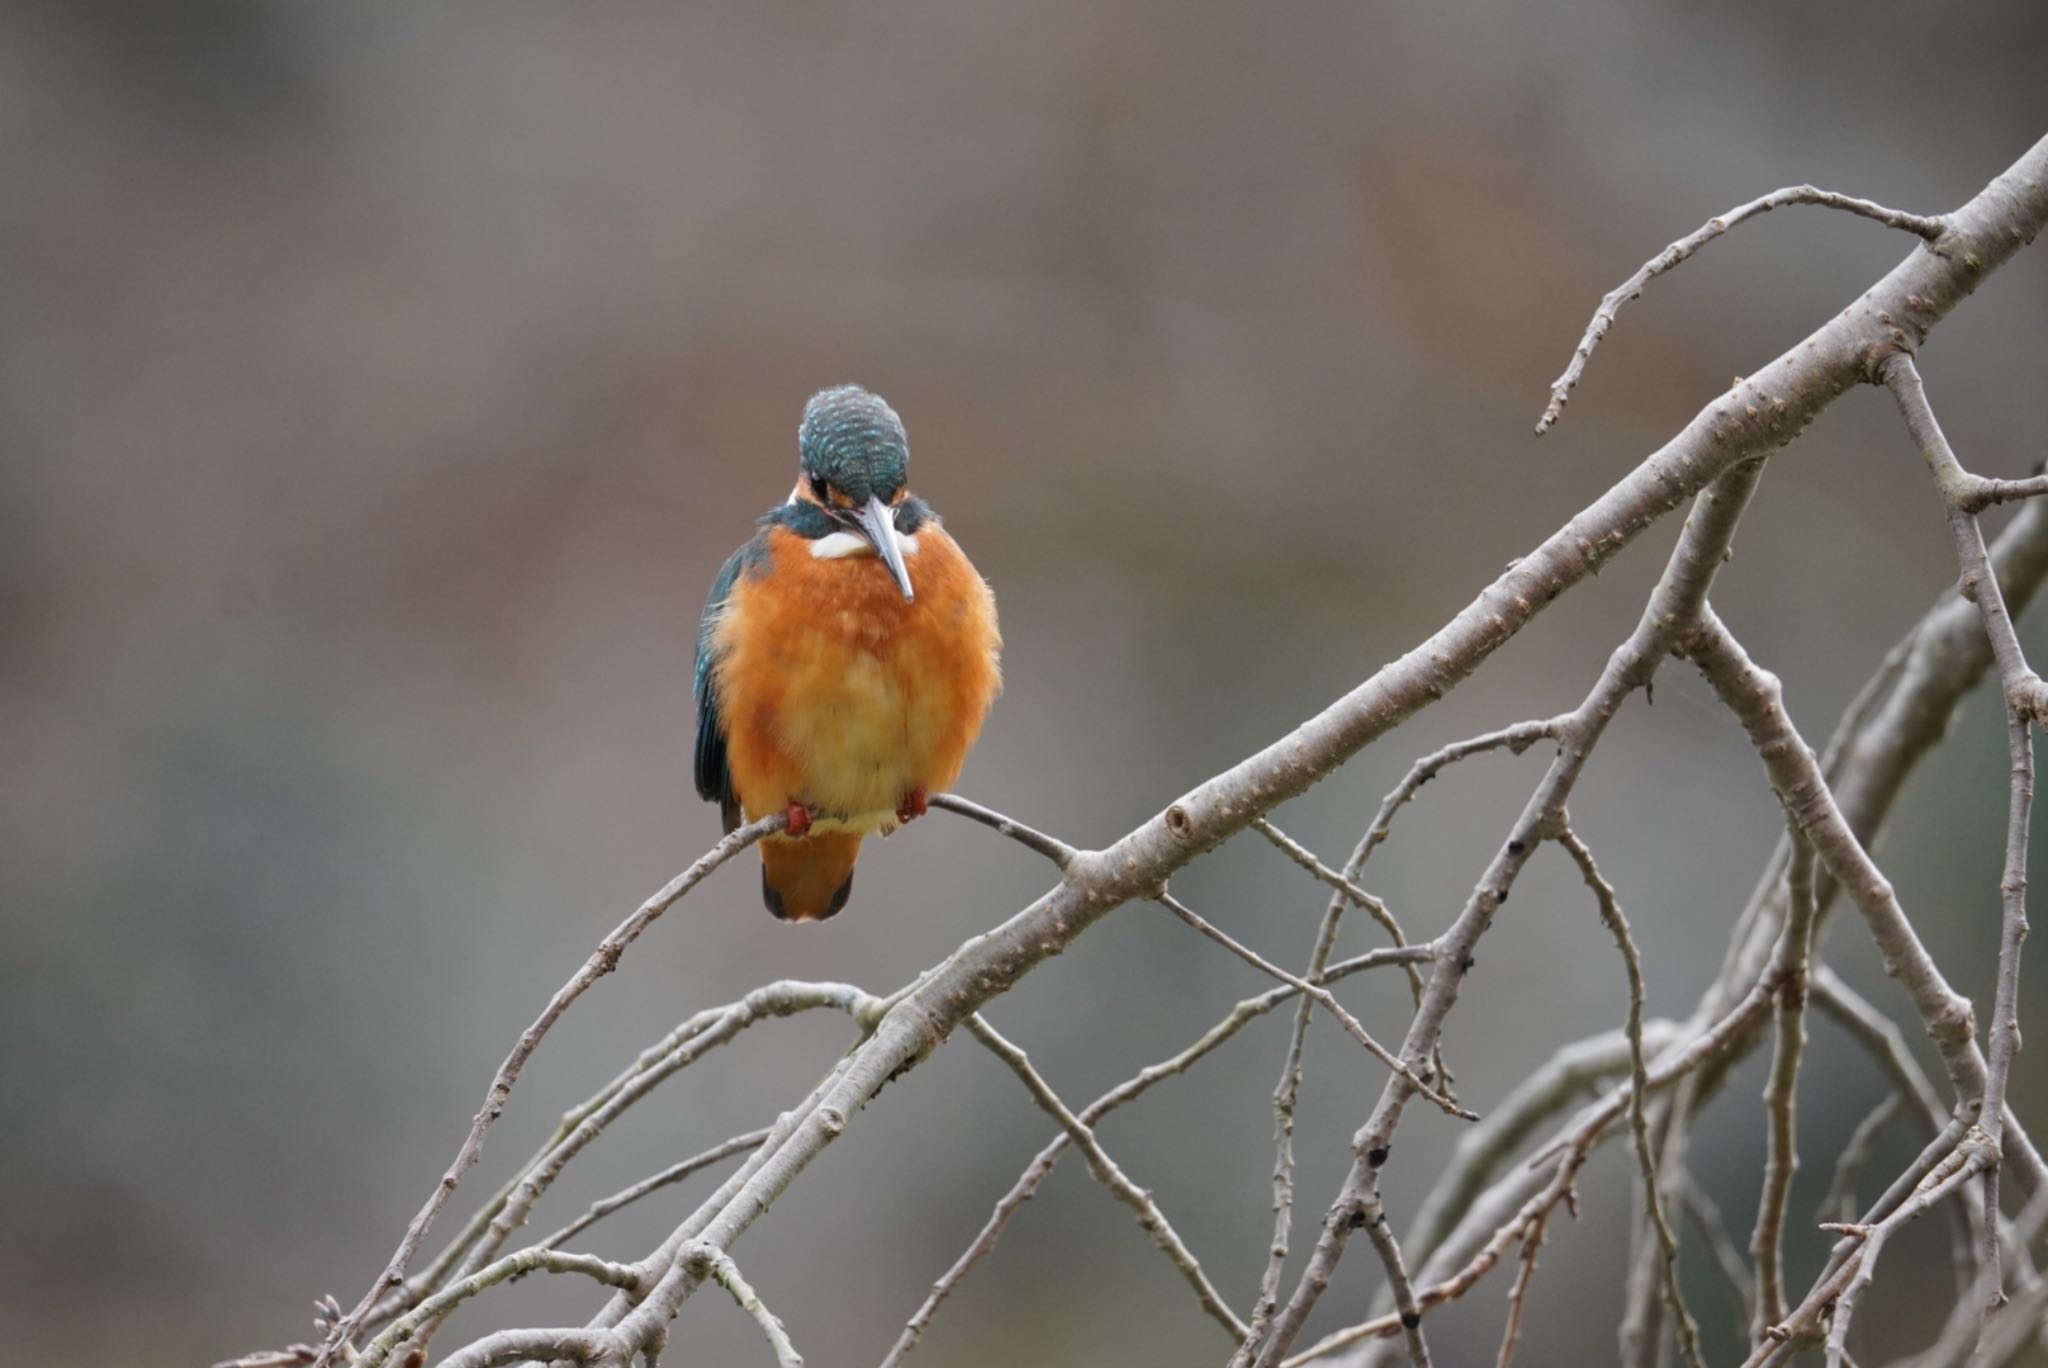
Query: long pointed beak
x,y
878,525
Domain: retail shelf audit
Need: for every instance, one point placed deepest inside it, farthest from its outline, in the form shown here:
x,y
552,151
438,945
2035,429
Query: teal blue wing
x,y
714,778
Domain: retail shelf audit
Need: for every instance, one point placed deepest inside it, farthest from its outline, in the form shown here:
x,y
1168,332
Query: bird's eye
x,y
820,490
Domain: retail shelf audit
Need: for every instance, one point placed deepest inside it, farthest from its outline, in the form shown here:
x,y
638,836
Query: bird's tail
x,y
808,879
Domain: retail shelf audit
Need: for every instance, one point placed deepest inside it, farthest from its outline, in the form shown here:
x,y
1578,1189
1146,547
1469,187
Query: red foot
x,y
799,819
913,806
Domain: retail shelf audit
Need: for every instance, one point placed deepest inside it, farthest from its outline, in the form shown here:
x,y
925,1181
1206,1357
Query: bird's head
x,y
853,459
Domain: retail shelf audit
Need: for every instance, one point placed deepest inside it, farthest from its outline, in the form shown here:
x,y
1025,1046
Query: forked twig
x,y
1127,1091
1106,1172
717,1265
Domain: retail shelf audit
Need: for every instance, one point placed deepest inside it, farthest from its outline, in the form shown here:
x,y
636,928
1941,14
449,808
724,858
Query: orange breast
x,y
839,695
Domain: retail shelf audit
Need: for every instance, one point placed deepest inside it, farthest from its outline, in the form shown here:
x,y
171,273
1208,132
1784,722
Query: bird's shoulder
x,y
756,555
714,778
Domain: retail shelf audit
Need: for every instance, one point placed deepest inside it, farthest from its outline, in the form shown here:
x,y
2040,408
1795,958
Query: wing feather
x,y
714,778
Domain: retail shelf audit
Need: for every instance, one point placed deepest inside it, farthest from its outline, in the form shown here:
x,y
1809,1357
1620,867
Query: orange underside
x,y
839,695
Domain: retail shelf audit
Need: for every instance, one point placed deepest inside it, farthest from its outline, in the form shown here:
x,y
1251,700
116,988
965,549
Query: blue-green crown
x,y
854,442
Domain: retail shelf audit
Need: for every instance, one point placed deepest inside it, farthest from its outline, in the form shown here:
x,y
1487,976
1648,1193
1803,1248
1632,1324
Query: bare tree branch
x,y
1736,427
1757,700
1679,596
1715,461
1129,1090
1150,1217
2026,700
1838,1291
1555,1169
683,1047
1877,1034
1930,229
601,962
1287,1091
1895,720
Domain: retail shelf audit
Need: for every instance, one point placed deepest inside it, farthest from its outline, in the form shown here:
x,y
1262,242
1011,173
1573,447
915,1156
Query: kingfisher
x,y
845,661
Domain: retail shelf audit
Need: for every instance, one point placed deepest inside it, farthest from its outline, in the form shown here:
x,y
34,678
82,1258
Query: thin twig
x,y
668,1177
1920,225
1885,1043
1639,1334
1287,1091
1988,493
717,1265
1054,849
1106,1172
1840,1202
2024,690
1879,1035
1322,998
1306,858
1706,1218
2005,1025
1639,1073
1781,1158
1514,740
1518,1293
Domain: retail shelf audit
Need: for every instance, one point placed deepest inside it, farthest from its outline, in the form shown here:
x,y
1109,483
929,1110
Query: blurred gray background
x,y
381,386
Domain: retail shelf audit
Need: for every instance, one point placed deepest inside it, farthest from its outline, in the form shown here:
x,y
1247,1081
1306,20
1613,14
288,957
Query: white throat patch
x,y
838,545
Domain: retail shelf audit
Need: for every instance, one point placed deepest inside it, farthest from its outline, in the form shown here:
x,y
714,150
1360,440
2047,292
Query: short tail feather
x,y
808,879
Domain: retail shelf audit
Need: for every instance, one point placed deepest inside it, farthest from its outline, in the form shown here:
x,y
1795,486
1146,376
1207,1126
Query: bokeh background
x,y
382,384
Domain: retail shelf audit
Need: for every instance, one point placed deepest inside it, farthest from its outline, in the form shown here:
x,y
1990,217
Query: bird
x,y
847,657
